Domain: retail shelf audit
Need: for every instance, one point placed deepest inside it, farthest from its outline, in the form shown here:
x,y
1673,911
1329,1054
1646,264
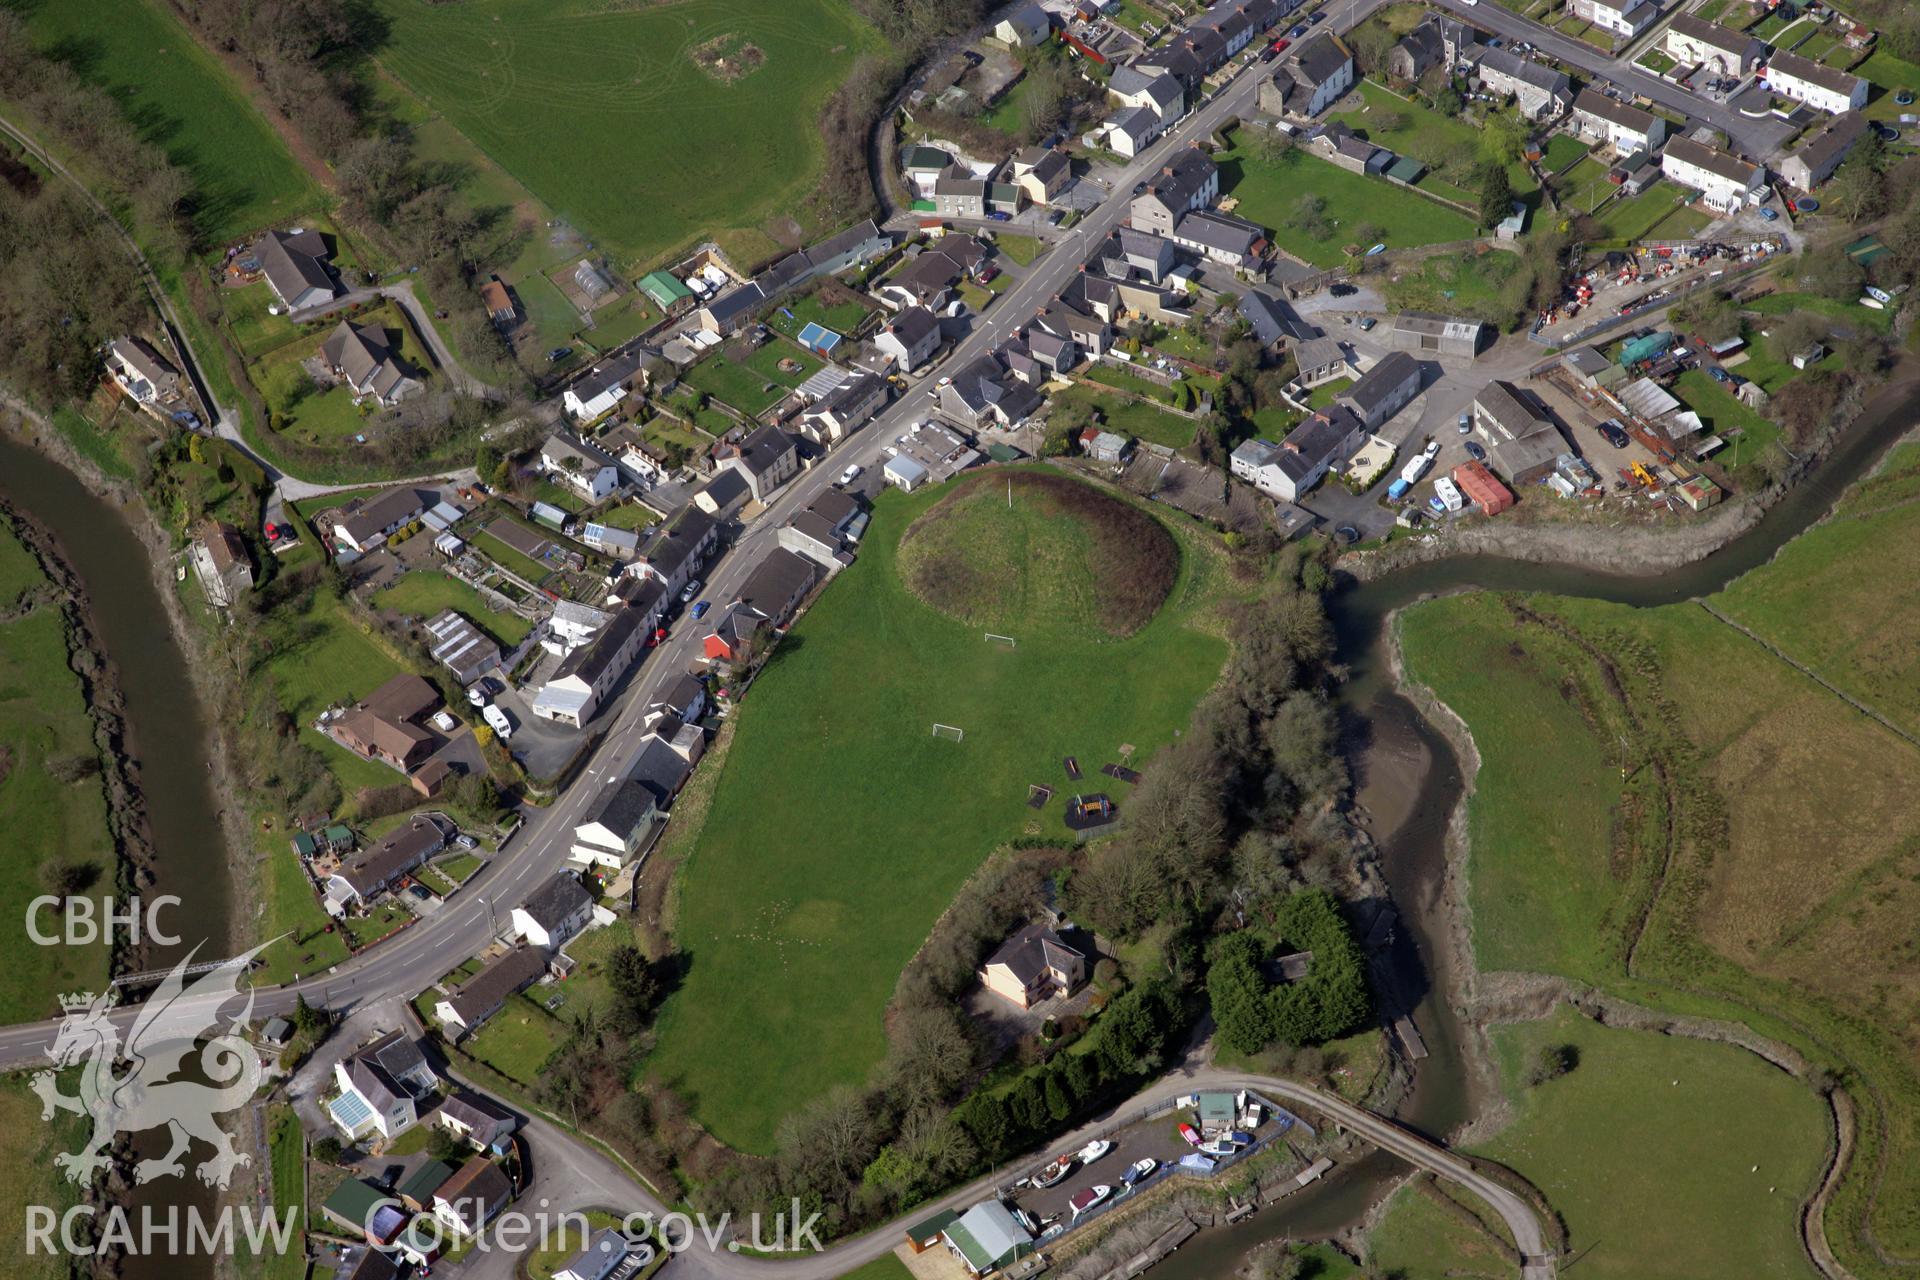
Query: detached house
x,y
364,524
384,726
473,1197
1025,27
556,912
910,338
1042,173
140,371
1152,89
377,869
1383,390
381,1086
766,459
586,468
221,563
960,195
1298,463
1130,130
615,827
599,390
1627,18
1627,129
1032,966
295,265
359,355
587,674
1418,52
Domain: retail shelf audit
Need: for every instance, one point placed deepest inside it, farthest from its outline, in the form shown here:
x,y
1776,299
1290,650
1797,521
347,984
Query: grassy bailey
x,y
1757,861
840,827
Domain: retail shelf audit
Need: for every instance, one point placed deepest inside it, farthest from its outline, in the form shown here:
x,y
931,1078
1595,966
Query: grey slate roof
x,y
555,900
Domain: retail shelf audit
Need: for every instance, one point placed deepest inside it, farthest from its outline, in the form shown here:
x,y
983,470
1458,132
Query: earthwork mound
x,y
1063,557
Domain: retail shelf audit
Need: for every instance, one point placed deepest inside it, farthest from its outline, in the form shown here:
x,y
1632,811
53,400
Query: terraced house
x,y
1726,183
1820,86
1694,41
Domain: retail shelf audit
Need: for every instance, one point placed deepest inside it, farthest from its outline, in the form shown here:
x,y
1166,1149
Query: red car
x,y
1280,45
1191,1134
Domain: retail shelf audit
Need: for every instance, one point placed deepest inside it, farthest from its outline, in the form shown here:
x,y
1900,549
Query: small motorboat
x,y
1094,1150
1191,1134
1218,1147
1240,1138
1054,1174
1139,1170
1089,1197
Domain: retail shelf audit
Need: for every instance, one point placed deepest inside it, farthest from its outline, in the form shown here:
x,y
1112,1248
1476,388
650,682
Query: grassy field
x,y
1136,417
324,659
28,1175
555,92
1724,413
854,826
330,417
518,1040
288,1148
1419,1238
1268,193
44,724
1788,903
757,383
1468,283
423,593
885,1267
1440,142
184,102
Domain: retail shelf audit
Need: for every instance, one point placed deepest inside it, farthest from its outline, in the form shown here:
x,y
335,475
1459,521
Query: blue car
x,y
700,610
1768,215
1298,31
1718,374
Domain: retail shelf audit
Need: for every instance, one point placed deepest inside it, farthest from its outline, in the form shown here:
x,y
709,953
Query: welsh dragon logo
x,y
163,1036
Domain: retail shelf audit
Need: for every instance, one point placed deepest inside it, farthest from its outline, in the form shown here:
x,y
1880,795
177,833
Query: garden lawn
x,y
1426,135
184,102
44,720
509,559
1019,249
1468,283
758,383
321,658
841,317
1649,1150
1268,193
293,909
1724,415
1844,312
1136,417
423,593
1177,395
518,1040
1324,394
1658,210
841,828
1564,150
885,1267
719,149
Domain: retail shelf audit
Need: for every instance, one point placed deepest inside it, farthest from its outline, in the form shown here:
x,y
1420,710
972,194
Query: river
x,y
1408,780
166,733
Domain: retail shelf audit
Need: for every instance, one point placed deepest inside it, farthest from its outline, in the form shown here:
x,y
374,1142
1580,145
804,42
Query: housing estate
x,y
380,1087
1816,159
1693,41
359,355
1725,182
1820,86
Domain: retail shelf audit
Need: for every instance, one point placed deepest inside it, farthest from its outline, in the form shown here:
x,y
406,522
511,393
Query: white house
x,y
556,912
1693,41
1128,131
1726,183
1024,27
600,390
587,674
1622,17
1627,129
1153,89
582,466
143,373
381,1086
910,338
1820,86
616,825
1290,468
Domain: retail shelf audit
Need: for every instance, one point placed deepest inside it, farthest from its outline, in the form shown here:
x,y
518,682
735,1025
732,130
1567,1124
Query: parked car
x,y
851,474
1269,54
558,354
693,589
1466,421
1000,215
1340,289
1282,45
476,696
1476,451
1611,432
1768,215
1298,31
700,609
1718,374
1318,15
1367,323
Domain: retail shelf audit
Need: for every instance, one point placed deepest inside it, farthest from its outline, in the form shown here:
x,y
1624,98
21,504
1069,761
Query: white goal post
x,y
1007,641
953,732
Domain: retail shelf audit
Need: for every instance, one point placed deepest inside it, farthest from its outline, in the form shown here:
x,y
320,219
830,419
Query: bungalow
x,y
731,311
585,676
1321,359
385,725
911,338
1313,76
615,827
1539,91
1042,173
1815,161
1151,89
1693,41
1627,129
365,524
1299,462
221,563
1032,966
1273,319
462,648
1627,18
605,1253
1339,145
487,992
859,243
678,549
1383,390
1524,444
666,291
295,264
1726,183
846,409
471,1199
499,303
580,465
1232,241
381,1086
359,354
556,912
394,855
1820,86
1189,181
476,1119
140,371
599,390
765,459
1025,27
